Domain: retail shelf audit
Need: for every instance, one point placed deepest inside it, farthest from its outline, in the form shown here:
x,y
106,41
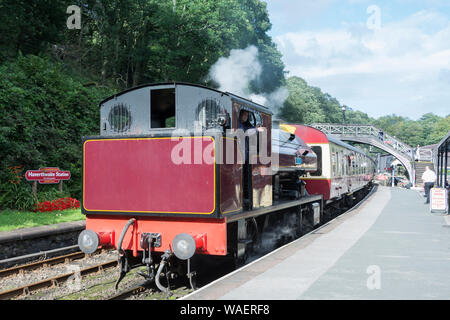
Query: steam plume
x,y
234,73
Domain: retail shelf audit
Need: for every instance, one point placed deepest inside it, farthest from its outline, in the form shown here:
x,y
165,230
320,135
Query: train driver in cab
x,y
245,124
250,130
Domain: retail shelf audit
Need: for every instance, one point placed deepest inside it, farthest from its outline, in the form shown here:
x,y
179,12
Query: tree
x,y
45,112
137,41
302,105
30,26
428,121
440,130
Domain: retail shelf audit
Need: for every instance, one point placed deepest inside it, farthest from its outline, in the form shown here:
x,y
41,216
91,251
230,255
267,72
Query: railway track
x,y
40,264
55,281
140,288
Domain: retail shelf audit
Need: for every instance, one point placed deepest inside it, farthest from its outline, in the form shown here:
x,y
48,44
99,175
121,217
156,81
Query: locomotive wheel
x,y
349,201
298,225
254,236
239,261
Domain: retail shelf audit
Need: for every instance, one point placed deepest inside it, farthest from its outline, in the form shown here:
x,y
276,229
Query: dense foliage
x,y
307,104
429,129
44,111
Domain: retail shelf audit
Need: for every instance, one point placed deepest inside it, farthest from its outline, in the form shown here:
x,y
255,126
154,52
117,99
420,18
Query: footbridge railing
x,y
365,131
371,135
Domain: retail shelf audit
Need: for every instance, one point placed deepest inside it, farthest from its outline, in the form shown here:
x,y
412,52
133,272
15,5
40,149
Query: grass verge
x,y
14,219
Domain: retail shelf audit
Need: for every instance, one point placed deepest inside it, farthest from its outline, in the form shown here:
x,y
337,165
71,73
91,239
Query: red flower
x,y
58,204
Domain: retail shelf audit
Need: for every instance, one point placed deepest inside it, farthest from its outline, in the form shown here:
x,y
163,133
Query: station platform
x,y
391,247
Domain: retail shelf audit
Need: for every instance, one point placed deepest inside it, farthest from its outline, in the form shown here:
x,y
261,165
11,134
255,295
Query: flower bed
x,y
57,205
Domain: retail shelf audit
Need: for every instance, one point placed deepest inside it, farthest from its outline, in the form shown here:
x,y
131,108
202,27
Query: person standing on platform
x,y
417,153
429,178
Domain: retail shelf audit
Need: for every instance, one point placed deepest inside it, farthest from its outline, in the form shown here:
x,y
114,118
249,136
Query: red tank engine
x,y
166,178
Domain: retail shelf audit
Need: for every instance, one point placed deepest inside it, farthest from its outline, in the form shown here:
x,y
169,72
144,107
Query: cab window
x,y
162,108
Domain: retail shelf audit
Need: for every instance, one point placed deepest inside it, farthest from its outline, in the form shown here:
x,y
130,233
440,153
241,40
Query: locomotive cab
x,y
150,109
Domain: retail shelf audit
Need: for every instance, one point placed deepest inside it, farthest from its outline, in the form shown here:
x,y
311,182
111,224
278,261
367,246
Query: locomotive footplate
x,y
275,207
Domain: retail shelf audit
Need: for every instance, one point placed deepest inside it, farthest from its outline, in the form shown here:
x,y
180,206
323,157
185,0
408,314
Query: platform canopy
x,y
441,152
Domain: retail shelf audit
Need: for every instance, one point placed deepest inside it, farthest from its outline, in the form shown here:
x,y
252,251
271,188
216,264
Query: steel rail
x,y
55,281
44,263
130,292
36,256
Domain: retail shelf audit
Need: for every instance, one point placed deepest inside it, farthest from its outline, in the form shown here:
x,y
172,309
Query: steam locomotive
x,y
173,175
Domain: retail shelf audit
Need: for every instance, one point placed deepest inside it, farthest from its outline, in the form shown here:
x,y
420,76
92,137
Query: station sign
x,y
47,175
439,200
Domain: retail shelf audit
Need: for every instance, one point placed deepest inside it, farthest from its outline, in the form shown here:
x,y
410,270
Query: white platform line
x,y
447,220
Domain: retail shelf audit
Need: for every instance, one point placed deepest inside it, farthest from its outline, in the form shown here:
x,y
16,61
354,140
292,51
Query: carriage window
x,y
162,104
352,157
359,164
333,163
346,165
318,151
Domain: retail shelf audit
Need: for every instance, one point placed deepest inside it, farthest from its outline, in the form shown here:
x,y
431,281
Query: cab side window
x,y
251,118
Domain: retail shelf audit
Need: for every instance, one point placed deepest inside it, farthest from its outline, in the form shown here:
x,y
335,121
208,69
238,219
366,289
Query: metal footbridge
x,y
371,135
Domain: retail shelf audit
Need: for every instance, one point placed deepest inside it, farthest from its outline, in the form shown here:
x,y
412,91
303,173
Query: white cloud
x,y
396,69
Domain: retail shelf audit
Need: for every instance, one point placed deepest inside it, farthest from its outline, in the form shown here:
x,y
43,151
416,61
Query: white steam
x,y
233,74
273,100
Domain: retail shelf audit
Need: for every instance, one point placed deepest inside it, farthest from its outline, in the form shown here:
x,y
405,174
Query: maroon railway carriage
x,y
343,169
165,176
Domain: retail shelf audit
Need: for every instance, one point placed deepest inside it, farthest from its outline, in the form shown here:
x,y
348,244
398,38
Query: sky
x,y
378,57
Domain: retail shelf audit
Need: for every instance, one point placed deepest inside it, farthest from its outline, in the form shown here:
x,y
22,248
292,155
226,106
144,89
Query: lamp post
x,y
393,175
343,113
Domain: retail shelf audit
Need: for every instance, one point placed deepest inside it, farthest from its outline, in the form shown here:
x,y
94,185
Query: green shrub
x,y
44,114
52,194
14,192
23,197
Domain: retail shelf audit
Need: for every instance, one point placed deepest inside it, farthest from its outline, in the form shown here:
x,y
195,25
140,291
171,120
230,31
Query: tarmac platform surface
x,y
391,247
